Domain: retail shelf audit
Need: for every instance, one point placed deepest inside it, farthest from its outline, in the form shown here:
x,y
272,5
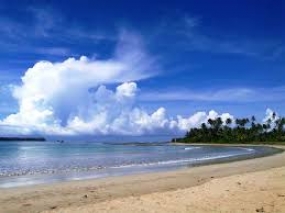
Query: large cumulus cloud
x,y
74,97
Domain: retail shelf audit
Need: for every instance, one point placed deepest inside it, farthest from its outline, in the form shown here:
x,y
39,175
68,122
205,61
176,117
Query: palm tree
x,y
253,119
273,115
211,122
203,126
242,132
264,126
244,121
218,123
238,122
229,121
282,123
259,128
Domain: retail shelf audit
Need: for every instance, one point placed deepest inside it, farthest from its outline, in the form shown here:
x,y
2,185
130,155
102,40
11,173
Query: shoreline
x,y
74,194
29,180
277,145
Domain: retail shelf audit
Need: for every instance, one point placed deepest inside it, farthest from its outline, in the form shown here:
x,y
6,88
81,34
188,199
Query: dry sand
x,y
256,185
254,192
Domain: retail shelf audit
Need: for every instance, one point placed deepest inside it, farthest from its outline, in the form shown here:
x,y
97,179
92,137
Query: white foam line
x,y
174,161
191,148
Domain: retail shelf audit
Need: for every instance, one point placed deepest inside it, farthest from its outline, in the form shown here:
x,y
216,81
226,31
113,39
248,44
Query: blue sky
x,y
226,56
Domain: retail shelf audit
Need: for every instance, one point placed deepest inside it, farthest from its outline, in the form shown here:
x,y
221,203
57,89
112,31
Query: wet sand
x,y
255,185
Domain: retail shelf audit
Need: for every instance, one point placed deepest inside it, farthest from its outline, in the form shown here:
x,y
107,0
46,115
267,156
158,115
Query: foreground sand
x,y
256,185
254,192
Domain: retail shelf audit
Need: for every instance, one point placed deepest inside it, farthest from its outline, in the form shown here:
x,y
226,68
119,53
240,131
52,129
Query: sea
x,y
27,163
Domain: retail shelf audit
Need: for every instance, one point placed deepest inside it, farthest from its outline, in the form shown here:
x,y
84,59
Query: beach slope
x,y
255,185
253,192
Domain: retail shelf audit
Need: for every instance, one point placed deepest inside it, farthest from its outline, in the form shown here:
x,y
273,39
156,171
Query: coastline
x,y
83,193
277,145
37,177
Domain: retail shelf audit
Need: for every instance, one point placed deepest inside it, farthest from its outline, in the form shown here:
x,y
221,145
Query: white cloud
x,y
102,112
51,94
199,118
48,24
115,112
55,51
72,97
44,19
269,116
189,33
222,95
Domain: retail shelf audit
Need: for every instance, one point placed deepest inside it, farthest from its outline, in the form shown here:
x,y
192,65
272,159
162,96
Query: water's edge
x,y
19,181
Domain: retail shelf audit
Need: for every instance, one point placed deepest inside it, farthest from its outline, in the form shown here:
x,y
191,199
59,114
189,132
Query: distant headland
x,y
14,138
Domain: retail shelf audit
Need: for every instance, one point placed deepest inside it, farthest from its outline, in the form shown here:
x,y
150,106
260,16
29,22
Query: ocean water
x,y
25,163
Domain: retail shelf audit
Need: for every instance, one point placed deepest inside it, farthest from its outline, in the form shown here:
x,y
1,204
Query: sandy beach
x,y
255,185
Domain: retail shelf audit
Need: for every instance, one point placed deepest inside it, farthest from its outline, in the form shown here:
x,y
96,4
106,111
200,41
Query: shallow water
x,y
24,163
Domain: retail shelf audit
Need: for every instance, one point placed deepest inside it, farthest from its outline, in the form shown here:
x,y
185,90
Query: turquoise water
x,y
24,163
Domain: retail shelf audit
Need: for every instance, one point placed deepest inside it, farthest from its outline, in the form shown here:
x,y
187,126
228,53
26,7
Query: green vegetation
x,y
243,130
3,138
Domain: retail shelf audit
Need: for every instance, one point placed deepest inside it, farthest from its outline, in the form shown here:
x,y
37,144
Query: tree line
x,y
244,130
